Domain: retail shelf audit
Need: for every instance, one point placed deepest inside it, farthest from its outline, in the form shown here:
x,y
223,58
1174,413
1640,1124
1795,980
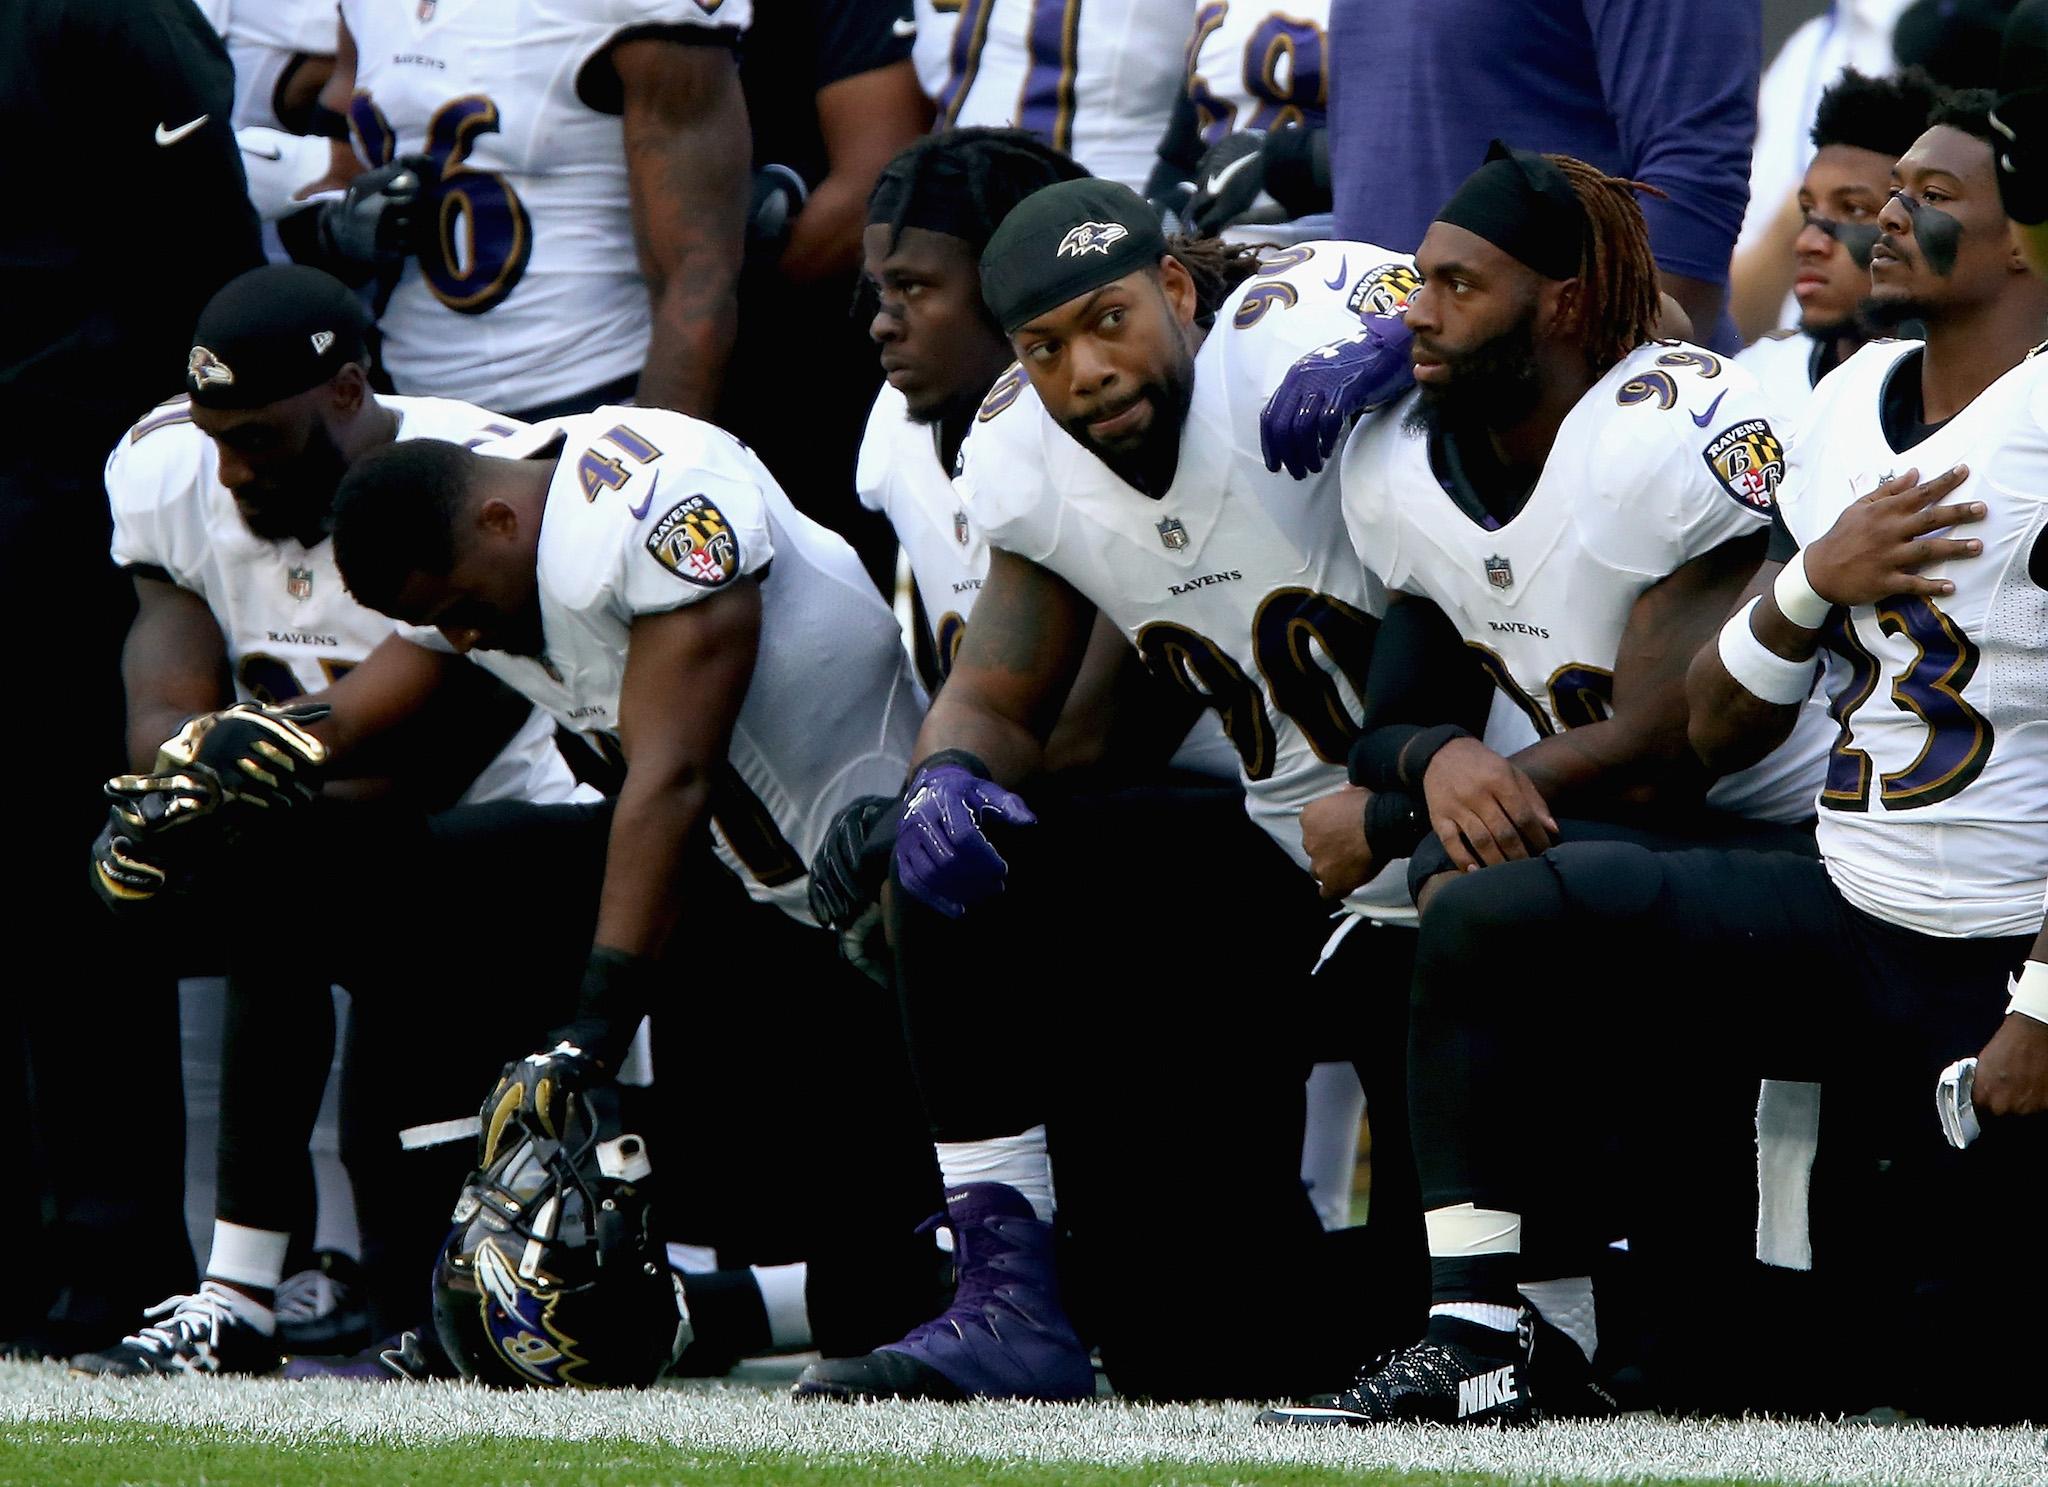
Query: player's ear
x,y
1564,305
1178,285
496,518
349,390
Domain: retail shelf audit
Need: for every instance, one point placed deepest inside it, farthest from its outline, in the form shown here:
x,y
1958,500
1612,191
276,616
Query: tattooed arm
x,y
687,155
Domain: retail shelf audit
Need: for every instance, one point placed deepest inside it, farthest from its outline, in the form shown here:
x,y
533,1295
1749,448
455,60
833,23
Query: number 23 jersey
x,y
528,288
1935,810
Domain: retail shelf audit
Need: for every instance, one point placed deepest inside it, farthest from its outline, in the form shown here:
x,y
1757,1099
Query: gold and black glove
x,y
152,831
261,755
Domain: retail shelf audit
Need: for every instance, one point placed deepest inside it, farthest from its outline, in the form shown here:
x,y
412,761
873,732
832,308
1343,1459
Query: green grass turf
x,y
132,1455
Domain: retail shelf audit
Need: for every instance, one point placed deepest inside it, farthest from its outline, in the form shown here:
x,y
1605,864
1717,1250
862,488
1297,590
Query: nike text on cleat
x,y
172,136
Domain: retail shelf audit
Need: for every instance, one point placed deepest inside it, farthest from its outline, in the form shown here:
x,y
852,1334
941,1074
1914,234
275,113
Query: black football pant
x,y
1142,987
786,1127
1580,1005
89,1075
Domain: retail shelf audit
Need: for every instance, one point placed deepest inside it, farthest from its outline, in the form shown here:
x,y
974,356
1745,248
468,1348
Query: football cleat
x,y
216,1329
409,1357
1005,1336
1463,1373
321,1310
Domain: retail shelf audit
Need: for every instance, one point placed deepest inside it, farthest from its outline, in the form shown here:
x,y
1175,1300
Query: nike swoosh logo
x,y
273,153
172,136
1702,419
903,26
640,511
1336,280
1218,180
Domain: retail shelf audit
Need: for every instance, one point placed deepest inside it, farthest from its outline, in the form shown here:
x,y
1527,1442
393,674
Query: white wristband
x,y
2029,991
1796,599
1757,668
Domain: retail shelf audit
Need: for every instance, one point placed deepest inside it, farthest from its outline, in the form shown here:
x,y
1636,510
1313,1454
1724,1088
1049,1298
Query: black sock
x,y
728,1317
1489,1279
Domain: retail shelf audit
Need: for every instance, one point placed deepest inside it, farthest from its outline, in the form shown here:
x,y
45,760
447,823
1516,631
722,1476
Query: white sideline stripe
x,y
440,1132
1160,1441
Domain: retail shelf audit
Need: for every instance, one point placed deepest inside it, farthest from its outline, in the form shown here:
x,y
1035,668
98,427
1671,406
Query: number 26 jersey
x,y
528,287
1934,814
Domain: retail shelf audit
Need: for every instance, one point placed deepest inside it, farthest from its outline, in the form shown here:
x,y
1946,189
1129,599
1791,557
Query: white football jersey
x,y
264,37
1935,811
1254,66
1785,364
1665,458
532,290
1096,78
932,52
289,625
1237,585
899,475
651,510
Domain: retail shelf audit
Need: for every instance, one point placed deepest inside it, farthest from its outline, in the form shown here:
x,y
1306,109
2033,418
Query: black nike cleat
x,y
214,1330
1461,1373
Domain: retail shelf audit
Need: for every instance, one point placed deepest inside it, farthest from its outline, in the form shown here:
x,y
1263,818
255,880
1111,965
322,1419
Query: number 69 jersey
x,y
288,625
650,511
1664,459
1237,585
1935,811
531,288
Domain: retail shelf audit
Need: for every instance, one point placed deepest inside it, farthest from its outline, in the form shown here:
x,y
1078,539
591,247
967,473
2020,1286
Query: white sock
x,y
1567,1304
782,1296
1485,1313
247,1257
1019,1161
1329,1141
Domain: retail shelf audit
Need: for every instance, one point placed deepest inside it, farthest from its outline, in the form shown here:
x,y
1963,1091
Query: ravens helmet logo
x,y
205,370
1091,237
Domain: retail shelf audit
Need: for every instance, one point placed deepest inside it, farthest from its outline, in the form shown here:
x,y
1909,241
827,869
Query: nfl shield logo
x,y
298,582
1173,534
1500,572
960,527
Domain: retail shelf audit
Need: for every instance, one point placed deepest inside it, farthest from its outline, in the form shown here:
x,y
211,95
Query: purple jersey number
x,y
1959,738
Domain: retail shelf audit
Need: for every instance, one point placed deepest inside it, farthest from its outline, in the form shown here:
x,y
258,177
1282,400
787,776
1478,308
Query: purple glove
x,y
1322,392
942,857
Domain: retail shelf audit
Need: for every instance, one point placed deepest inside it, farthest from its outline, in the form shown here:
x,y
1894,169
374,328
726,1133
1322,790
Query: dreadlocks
x,y
1619,301
1216,267
980,173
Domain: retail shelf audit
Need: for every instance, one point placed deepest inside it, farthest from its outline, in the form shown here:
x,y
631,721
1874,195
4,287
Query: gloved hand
x,y
847,874
943,858
779,194
1230,186
1168,194
382,216
534,1093
278,165
1321,393
147,838
259,755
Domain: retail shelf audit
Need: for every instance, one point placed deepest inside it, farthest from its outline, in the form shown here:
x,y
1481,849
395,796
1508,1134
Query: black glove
x,y
1168,193
533,1095
150,836
1228,185
848,873
382,218
258,754
778,195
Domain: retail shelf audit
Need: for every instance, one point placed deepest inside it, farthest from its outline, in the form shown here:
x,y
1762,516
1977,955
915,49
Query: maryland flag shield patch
x,y
695,542
1749,462
1385,290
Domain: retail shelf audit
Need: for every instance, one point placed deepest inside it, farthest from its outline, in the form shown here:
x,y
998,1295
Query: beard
x,y
1147,460
1492,384
1892,313
296,501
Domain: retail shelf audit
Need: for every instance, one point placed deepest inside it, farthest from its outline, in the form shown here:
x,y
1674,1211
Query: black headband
x,y
271,334
1063,241
936,198
1524,206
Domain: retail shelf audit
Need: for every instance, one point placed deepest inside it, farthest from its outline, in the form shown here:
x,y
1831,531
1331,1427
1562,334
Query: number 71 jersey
x,y
1934,814
528,287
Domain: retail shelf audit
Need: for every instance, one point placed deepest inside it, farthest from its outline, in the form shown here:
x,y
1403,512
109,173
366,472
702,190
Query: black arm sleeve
x,y
1423,672
1180,148
856,36
1782,546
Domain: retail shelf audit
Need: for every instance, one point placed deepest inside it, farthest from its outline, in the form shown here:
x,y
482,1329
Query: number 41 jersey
x,y
1237,585
1935,811
530,289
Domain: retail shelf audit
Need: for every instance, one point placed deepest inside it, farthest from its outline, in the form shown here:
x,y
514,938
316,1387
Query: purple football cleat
x,y
1004,1337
